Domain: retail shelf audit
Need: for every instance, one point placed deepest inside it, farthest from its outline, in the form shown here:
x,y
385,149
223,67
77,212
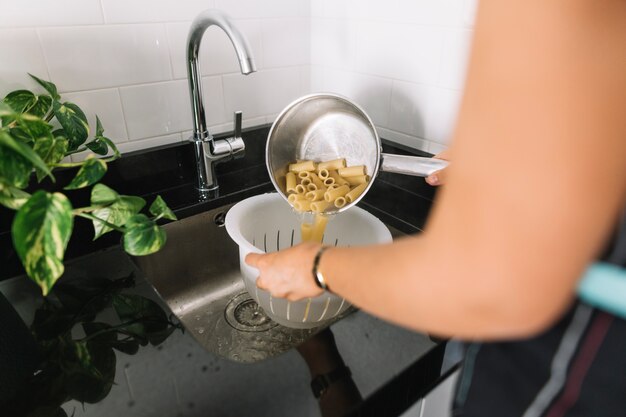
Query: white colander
x,y
266,223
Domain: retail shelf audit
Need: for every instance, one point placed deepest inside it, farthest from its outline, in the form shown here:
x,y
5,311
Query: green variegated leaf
x,y
51,150
34,126
142,236
48,86
101,144
5,110
14,168
41,230
41,107
13,198
21,135
25,151
73,121
20,100
118,208
160,209
90,173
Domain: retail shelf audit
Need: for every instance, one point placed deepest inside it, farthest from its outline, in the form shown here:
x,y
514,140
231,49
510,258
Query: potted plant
x,y
37,134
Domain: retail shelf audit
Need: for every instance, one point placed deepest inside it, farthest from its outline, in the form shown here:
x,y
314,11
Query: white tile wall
x,y
404,61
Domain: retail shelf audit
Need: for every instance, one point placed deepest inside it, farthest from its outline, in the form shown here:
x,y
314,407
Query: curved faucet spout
x,y
199,25
209,151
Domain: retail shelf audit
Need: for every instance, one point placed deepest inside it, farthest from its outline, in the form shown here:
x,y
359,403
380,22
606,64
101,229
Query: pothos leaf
x,y
41,230
118,208
48,86
101,144
160,209
142,236
5,110
25,151
24,101
89,371
73,121
13,198
20,100
51,150
149,321
14,168
90,173
34,127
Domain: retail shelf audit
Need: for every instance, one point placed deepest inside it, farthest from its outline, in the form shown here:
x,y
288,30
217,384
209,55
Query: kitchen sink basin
x,y
197,274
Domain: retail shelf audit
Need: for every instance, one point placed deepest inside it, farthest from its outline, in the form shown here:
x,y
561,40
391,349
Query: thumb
x,y
252,259
437,178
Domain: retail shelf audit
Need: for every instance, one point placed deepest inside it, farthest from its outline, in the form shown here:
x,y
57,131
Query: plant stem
x,y
67,164
87,209
76,151
104,222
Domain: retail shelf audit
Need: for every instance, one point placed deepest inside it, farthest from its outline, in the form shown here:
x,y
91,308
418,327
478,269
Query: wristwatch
x,y
320,383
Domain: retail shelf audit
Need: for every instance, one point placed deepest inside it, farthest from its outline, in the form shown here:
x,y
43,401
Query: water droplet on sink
x,y
200,330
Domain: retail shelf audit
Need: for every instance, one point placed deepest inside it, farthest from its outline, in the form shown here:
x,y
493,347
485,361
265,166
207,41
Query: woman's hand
x,y
439,177
287,273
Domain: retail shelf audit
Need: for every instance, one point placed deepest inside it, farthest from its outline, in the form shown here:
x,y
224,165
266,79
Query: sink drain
x,y
243,313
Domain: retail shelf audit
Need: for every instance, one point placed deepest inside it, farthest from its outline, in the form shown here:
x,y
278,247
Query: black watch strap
x,y
320,383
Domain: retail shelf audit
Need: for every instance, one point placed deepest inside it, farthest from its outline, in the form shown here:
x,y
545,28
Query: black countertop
x,y
400,201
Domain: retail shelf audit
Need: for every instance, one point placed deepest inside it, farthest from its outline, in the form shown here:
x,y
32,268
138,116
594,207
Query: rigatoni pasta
x,y
325,185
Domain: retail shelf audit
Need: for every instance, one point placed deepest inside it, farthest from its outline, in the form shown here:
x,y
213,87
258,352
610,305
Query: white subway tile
x,y
456,52
213,95
156,109
318,77
336,9
318,9
409,104
371,93
107,106
261,93
469,12
403,139
286,42
137,145
333,43
423,111
217,55
20,54
268,8
399,51
84,58
125,11
374,9
33,13
428,12
442,111
305,79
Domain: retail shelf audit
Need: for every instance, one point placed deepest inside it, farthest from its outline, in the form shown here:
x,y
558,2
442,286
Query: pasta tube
x,y
315,195
350,171
355,192
300,189
311,187
340,202
291,182
329,181
294,197
305,231
319,226
338,179
319,206
334,164
303,166
303,174
316,180
302,205
322,173
357,179
332,195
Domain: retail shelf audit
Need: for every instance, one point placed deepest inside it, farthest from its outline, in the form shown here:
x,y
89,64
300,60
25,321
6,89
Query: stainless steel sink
x,y
197,275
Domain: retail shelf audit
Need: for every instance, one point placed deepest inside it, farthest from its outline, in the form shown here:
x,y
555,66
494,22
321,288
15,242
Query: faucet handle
x,y
237,119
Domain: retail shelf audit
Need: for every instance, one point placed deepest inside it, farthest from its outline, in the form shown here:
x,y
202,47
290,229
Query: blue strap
x,y
604,286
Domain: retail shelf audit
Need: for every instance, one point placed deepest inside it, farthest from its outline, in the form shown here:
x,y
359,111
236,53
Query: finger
x,y
252,259
260,284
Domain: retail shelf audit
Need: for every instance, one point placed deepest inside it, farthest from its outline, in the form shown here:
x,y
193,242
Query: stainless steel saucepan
x,y
323,127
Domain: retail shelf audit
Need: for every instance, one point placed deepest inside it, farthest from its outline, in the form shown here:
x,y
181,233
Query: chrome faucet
x,y
207,150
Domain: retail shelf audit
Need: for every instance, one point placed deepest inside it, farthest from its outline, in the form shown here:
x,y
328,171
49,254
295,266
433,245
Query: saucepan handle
x,y
411,165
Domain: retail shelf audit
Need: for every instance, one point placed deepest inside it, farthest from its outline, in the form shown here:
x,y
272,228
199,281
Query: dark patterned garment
x,y
575,369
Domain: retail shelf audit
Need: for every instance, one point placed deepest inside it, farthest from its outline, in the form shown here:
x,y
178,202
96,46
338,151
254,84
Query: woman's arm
x,y
538,178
